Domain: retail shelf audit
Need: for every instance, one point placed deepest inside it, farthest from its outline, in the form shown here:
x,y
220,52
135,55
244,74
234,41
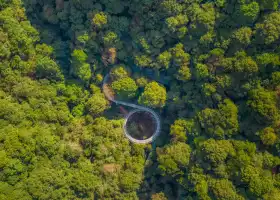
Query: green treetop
x,y
79,65
97,104
268,31
154,95
125,87
268,136
222,122
119,72
99,19
264,104
173,158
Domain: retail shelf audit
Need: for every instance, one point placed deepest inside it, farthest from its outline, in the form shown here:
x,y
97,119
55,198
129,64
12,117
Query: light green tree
x,y
125,87
99,20
268,136
97,103
119,72
268,31
79,65
154,95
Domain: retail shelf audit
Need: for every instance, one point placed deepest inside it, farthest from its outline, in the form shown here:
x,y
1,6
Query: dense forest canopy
x,y
210,69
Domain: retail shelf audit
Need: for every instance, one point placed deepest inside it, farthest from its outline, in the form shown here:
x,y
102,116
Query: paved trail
x,y
109,95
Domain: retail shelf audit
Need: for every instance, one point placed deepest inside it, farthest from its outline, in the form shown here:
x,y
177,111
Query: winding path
x,y
110,97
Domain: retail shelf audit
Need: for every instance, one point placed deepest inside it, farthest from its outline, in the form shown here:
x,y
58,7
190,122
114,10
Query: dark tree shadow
x,y
51,34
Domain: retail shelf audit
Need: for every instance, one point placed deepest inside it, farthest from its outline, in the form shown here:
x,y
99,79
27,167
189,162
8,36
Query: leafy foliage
x,y
154,95
211,69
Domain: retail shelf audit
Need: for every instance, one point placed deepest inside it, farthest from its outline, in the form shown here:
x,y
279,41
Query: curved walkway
x,y
137,107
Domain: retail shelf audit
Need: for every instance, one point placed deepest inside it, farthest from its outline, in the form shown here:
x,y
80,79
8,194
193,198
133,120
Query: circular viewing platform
x,y
141,126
